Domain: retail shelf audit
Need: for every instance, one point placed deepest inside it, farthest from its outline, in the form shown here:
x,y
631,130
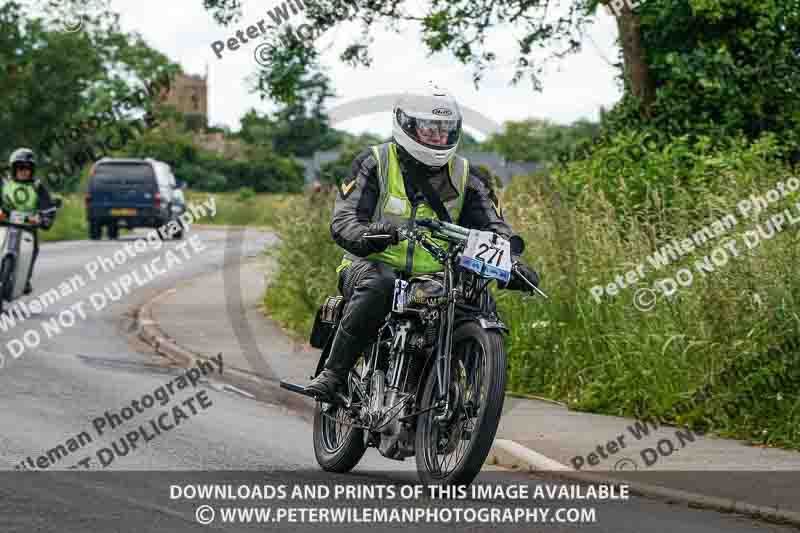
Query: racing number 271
x,y
494,259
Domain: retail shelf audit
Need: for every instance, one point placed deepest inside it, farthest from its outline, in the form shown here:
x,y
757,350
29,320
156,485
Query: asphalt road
x,y
57,392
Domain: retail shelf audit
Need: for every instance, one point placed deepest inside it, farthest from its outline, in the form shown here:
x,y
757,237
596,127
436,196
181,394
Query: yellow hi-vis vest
x,y
395,207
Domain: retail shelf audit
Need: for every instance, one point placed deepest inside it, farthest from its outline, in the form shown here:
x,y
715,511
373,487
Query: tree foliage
x,y
258,167
539,140
721,66
53,79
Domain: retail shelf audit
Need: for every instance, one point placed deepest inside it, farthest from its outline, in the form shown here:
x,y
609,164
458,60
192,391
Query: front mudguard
x,y
486,321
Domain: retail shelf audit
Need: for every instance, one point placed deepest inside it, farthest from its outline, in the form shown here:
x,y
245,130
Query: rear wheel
x,y
452,451
338,445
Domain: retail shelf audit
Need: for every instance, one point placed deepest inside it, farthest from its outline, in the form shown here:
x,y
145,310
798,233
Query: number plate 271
x,y
488,255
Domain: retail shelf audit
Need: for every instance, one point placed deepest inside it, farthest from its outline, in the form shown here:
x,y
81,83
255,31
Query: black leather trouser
x,y
368,288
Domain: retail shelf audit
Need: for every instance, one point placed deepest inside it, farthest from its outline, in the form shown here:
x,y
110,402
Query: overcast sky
x,y
574,88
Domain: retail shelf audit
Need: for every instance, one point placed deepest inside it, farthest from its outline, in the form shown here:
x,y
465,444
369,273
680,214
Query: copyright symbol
x,y
644,299
626,464
204,514
261,54
72,23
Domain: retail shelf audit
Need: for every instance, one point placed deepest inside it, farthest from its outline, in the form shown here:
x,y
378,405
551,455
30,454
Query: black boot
x,y
344,353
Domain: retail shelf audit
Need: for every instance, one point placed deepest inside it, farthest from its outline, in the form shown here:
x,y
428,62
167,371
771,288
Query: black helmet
x,y
22,157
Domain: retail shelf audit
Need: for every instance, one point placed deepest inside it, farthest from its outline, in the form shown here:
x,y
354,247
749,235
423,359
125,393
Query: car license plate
x,y
123,212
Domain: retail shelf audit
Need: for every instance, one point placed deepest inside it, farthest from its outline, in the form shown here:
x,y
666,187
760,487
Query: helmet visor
x,y
438,134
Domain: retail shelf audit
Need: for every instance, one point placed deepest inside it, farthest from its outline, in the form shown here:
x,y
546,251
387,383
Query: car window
x,y
110,174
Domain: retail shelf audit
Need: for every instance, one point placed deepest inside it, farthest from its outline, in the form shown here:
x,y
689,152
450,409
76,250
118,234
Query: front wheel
x,y
452,449
6,280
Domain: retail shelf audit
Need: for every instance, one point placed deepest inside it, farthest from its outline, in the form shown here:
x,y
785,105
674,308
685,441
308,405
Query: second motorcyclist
x,y
22,192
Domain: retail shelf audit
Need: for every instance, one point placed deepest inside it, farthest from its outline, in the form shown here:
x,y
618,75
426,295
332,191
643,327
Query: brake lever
x,y
528,282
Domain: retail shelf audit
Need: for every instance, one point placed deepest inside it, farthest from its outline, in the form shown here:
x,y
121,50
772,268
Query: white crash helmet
x,y
427,124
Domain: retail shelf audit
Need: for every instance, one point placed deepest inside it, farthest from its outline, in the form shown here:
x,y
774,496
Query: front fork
x,y
444,354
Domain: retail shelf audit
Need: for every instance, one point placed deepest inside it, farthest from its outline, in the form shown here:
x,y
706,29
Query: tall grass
x,y
307,264
238,209
70,223
731,333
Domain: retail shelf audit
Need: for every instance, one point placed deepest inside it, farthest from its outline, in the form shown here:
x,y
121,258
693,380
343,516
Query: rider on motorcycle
x,y
416,175
21,192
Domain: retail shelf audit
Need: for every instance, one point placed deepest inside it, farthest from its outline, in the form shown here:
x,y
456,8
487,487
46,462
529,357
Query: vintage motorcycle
x,y
433,383
16,249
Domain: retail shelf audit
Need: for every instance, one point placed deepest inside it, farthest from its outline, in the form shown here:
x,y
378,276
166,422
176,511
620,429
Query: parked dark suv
x,y
133,193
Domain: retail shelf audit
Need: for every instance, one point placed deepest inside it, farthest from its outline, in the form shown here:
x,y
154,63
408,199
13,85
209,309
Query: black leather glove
x,y
382,228
46,223
516,283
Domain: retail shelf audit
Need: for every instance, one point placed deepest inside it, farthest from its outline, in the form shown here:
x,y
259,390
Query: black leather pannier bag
x,y
328,316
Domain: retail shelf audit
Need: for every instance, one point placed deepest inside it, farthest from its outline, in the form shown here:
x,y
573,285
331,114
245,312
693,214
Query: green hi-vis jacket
x,y
377,192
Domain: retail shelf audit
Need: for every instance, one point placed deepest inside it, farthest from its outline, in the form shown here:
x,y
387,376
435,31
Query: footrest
x,y
299,389
340,399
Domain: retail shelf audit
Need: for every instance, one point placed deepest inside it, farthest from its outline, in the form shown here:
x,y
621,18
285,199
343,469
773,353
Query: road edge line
x,y
148,330
513,455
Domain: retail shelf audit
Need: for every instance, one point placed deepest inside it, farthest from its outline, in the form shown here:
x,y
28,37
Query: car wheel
x,y
95,231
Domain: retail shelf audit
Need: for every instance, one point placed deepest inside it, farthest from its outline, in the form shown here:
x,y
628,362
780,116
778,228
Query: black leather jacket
x,y
358,196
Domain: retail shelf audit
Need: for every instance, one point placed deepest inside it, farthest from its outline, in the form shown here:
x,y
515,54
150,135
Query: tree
x,y
539,140
687,65
297,82
461,27
54,80
335,171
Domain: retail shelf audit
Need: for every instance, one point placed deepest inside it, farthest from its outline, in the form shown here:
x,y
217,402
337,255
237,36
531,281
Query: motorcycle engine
x,y
397,438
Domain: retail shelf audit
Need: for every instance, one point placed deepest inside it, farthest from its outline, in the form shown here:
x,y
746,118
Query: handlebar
x,y
35,218
455,233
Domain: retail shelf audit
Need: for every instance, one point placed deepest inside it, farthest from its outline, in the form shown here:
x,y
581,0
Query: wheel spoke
x,y
443,455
